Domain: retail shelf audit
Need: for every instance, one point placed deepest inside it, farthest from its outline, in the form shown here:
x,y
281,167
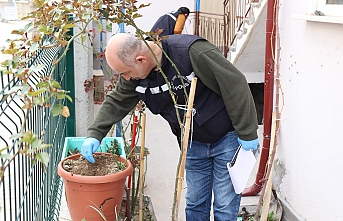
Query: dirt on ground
x,y
146,213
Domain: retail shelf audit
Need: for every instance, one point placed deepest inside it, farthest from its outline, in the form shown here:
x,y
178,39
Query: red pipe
x,y
268,99
133,143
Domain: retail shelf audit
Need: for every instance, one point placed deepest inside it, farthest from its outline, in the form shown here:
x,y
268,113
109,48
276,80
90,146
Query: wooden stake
x,y
268,188
141,169
185,145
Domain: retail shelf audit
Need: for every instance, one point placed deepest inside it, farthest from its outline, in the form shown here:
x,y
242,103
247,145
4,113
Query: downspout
x,y
197,17
122,27
268,99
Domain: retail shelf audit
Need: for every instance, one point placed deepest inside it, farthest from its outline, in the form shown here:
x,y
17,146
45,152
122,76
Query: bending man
x,y
225,114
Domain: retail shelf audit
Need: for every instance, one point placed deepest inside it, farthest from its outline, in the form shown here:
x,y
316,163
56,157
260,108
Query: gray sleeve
x,y
221,76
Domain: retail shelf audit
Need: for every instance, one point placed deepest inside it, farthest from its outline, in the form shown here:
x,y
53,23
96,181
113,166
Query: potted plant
x,y
91,193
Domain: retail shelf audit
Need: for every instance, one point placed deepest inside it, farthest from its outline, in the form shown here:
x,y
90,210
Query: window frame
x,y
327,9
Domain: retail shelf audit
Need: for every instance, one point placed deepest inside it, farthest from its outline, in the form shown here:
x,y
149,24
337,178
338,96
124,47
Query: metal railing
x,y
213,28
27,191
221,28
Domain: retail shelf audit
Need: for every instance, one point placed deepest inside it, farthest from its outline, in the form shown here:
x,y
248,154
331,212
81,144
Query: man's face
x,y
139,71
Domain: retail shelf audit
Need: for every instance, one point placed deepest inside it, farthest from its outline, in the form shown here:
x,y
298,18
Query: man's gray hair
x,y
129,48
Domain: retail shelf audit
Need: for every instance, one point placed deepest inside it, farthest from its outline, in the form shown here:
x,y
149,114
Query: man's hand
x,y
89,146
248,144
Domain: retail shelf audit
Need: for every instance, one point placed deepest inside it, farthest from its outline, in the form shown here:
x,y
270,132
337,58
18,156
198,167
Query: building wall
x,y
309,155
23,7
211,6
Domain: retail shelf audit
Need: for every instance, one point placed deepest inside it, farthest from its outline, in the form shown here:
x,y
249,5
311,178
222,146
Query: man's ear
x,y
140,59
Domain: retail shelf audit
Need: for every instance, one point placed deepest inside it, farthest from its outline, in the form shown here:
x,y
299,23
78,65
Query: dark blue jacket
x,y
167,23
210,121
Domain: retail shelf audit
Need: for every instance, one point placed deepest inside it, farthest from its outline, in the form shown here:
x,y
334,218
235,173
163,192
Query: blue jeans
x,y
206,171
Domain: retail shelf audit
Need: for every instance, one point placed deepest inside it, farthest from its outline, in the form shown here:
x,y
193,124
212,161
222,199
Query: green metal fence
x,y
27,192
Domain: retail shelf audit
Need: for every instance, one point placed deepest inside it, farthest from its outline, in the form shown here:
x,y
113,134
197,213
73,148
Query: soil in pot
x,y
104,165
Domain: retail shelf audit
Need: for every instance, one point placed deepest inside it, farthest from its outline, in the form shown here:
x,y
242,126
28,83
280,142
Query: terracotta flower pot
x,y
102,192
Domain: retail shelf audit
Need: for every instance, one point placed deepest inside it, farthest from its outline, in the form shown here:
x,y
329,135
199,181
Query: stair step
x,y
250,20
232,48
240,33
255,4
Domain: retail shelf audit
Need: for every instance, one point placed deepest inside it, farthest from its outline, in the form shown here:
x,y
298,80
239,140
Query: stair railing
x,y
222,29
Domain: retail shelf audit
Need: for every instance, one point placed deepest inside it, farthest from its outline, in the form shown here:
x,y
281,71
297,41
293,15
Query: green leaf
x,y
28,137
46,99
38,101
43,146
36,143
16,136
67,26
16,58
35,93
34,47
2,149
25,89
86,16
61,95
10,51
99,27
43,157
69,98
27,25
57,110
43,84
6,63
55,84
6,156
109,27
83,39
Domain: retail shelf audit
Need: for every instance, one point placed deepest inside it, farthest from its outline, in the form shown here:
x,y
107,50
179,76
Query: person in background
x,y
224,112
171,23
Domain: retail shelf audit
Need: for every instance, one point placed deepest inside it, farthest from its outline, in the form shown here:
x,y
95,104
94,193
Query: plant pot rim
x,y
94,179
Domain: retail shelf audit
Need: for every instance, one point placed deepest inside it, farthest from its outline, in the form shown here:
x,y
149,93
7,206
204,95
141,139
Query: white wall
x,y
309,164
83,69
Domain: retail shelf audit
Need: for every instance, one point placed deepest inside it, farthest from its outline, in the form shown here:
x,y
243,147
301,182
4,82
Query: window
x,y
329,11
334,1
330,7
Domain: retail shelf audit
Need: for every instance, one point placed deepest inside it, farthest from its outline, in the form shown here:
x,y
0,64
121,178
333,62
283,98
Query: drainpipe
x,y
197,17
268,99
122,27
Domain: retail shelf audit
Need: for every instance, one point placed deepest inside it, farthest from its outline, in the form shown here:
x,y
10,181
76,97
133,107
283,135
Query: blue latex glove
x,y
248,144
89,146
